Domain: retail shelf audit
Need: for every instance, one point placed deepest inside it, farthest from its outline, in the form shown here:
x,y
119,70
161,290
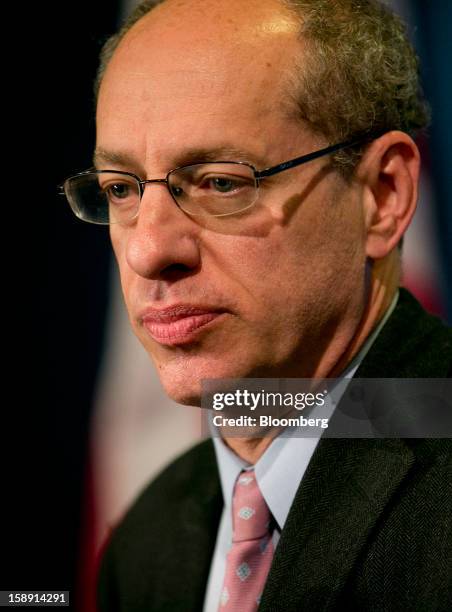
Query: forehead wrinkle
x,y
178,82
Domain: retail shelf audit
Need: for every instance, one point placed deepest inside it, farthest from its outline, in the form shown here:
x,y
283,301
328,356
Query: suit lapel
x,y
175,555
195,530
344,491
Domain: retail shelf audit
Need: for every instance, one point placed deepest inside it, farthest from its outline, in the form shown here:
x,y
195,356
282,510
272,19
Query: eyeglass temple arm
x,y
311,156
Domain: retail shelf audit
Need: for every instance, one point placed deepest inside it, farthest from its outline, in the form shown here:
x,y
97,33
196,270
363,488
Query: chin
x,y
187,392
182,382
182,370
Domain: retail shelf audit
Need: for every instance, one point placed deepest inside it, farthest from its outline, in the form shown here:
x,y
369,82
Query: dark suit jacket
x,y
370,528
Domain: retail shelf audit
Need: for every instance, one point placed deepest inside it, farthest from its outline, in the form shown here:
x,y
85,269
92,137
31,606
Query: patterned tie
x,y
251,553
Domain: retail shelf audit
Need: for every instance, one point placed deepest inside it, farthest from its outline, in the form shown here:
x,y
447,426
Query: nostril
x,y
176,272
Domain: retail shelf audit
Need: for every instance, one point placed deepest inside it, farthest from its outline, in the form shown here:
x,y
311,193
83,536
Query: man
x,y
232,272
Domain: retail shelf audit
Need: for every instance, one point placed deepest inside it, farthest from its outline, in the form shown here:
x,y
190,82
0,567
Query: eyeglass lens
x,y
212,189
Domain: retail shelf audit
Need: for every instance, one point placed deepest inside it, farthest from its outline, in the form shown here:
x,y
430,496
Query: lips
x,y
179,324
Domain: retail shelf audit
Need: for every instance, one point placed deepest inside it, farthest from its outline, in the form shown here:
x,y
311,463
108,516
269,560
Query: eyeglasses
x,y
216,189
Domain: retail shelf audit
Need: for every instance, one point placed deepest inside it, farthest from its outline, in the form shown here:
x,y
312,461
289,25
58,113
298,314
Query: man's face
x,y
267,292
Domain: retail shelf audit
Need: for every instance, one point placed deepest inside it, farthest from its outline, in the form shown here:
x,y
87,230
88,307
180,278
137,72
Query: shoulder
x,y
412,344
175,514
182,480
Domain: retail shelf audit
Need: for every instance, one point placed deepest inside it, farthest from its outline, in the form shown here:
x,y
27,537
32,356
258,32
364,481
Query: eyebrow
x,y
112,157
183,158
226,153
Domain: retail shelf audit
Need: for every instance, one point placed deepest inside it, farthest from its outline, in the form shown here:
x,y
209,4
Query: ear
x,y
389,174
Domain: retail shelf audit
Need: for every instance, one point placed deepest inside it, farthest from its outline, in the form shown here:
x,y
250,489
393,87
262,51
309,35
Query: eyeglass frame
x,y
258,174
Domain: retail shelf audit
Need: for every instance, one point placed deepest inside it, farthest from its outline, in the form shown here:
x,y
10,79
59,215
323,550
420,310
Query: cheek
x,y
266,274
317,256
332,234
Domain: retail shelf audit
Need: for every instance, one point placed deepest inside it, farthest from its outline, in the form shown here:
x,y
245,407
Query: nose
x,y
163,239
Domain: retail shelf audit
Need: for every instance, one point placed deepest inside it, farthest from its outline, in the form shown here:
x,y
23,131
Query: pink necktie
x,y
251,553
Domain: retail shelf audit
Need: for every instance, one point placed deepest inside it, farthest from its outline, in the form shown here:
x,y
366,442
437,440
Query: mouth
x,y
178,325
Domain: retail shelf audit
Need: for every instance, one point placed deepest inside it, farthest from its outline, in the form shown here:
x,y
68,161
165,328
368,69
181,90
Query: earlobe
x,y
390,175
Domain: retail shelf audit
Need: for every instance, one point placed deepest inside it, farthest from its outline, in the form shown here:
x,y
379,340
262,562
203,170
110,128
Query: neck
x,y
249,449
385,277
384,281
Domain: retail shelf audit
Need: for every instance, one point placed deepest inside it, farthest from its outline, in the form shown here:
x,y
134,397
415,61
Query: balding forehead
x,y
193,80
221,48
220,21
178,37
232,11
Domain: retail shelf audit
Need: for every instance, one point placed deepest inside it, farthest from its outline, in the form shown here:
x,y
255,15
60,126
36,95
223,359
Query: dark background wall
x,y
55,271
55,274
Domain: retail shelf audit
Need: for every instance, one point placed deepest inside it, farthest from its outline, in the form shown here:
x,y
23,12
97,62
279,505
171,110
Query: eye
x,y
118,191
176,191
223,184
